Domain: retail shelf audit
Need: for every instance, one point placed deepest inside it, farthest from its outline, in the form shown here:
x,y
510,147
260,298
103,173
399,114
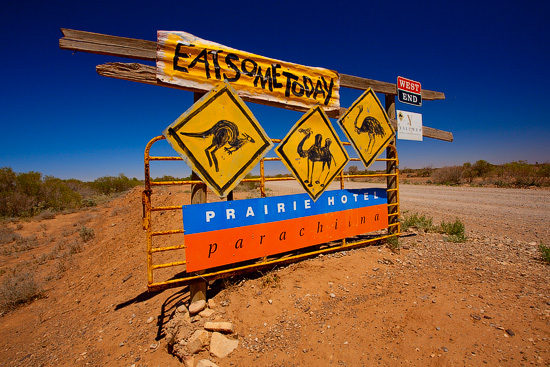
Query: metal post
x,y
197,291
391,169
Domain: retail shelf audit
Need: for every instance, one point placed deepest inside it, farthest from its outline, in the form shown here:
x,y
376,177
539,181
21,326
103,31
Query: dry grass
x,y
18,288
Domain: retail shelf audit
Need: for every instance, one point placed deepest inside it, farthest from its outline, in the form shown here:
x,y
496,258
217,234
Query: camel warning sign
x,y
312,152
219,138
367,126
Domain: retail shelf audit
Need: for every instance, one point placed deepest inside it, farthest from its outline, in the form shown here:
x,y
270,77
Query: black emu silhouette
x,y
369,125
315,153
223,132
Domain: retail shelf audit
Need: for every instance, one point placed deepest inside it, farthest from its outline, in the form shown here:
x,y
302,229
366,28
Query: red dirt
x,y
436,303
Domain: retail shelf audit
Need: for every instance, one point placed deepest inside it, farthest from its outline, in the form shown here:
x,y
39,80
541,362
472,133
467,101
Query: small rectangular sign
x,y
409,91
233,231
409,125
197,64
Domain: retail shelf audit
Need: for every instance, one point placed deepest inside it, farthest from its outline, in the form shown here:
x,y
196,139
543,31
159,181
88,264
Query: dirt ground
x,y
435,303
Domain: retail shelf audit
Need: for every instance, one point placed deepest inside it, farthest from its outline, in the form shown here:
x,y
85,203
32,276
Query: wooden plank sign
x,y
229,232
197,64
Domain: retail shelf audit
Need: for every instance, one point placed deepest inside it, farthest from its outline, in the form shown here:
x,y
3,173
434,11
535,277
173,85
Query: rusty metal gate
x,y
165,243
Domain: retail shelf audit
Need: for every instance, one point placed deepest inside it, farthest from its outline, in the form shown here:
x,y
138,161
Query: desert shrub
x,y
450,175
16,204
544,252
25,243
393,244
425,172
270,280
46,214
89,202
74,248
7,234
18,288
482,168
110,185
86,234
454,230
27,194
418,221
57,195
468,172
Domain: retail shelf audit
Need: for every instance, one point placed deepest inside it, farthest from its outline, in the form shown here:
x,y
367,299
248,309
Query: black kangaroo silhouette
x,y
223,132
369,125
315,153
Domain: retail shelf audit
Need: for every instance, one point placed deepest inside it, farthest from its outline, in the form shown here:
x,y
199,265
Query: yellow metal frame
x,y
183,278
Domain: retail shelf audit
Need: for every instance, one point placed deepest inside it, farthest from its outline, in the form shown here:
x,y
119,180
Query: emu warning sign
x,y
367,126
197,64
312,152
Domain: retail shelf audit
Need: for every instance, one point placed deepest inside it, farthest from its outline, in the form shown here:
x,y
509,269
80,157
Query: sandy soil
x,y
436,303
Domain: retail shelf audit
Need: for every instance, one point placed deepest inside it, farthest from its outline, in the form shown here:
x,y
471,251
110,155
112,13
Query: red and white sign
x,y
408,85
409,91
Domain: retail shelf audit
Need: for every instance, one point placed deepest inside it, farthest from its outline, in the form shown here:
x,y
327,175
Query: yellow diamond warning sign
x,y
312,152
367,126
219,138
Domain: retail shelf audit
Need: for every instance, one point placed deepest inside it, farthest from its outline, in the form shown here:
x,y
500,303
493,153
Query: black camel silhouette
x,y
223,132
369,125
315,153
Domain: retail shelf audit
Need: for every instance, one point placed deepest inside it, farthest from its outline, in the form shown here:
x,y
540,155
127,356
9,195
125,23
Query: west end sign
x,y
409,91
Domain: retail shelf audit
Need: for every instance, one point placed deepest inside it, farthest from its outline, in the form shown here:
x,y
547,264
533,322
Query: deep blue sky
x,y
490,58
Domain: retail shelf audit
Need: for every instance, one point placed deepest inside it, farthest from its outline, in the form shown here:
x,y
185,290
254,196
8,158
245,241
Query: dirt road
x,y
485,302
518,213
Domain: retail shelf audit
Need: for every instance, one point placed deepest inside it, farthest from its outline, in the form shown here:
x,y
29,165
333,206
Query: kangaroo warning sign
x,y
219,138
409,91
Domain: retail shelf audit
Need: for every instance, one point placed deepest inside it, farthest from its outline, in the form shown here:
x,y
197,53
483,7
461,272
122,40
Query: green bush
x,y
393,244
111,185
454,230
544,253
418,221
28,194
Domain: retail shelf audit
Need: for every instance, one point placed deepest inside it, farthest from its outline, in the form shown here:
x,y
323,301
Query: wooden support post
x,y
197,291
391,168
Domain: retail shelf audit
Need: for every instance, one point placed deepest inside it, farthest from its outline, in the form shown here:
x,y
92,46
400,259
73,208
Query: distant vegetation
x,y
480,173
29,194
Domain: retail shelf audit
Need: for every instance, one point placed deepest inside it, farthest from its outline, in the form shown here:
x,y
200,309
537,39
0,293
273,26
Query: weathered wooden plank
x,y
355,82
141,73
147,50
430,132
108,45
133,72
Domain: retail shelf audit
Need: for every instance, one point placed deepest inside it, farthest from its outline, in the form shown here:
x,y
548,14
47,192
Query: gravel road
x,y
522,214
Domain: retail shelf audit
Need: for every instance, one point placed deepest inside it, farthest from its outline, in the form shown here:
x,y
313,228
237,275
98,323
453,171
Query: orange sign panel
x,y
225,232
